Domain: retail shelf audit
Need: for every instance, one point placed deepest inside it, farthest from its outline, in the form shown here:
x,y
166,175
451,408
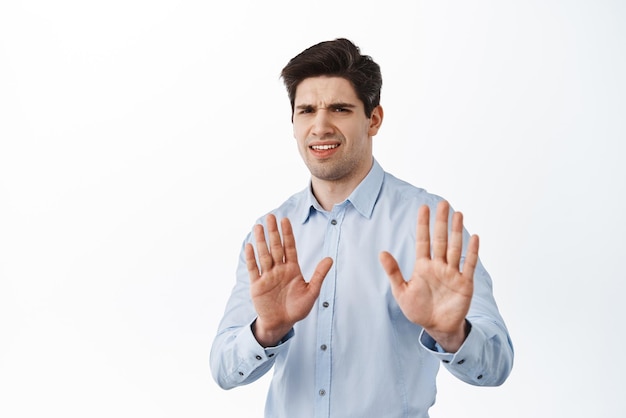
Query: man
x,y
350,290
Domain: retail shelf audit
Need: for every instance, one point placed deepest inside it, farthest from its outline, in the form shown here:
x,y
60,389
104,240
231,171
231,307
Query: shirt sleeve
x,y
238,359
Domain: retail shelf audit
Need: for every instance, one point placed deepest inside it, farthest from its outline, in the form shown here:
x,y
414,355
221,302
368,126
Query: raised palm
x,y
280,294
439,293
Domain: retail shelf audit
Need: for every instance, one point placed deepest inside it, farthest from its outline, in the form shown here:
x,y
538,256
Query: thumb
x,y
390,265
320,273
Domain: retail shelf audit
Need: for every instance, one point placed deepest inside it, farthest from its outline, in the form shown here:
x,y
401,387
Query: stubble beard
x,y
333,170
340,168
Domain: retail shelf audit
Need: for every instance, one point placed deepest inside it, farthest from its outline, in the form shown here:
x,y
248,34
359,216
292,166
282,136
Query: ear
x,y
375,120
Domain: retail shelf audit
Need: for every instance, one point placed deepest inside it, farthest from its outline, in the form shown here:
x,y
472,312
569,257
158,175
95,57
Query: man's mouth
x,y
323,147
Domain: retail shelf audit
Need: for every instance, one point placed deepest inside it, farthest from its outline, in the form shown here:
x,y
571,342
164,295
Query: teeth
x,y
323,147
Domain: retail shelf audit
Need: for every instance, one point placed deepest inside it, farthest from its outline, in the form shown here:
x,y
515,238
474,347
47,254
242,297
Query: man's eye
x,y
305,111
341,109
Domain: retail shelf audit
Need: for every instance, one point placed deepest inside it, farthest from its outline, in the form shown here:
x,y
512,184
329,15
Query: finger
x,y
322,269
289,241
265,259
471,257
253,269
455,242
390,265
422,234
440,233
276,246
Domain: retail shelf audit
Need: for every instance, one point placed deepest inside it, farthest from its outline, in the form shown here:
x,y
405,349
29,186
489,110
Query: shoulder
x,y
398,192
294,206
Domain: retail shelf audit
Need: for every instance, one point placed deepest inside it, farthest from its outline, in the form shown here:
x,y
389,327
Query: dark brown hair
x,y
337,58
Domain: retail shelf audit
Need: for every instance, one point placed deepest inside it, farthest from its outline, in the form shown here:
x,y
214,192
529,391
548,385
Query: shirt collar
x,y
363,197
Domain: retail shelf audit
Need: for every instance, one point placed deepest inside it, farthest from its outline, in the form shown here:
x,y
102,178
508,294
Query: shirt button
x,y
446,361
240,373
325,304
460,361
333,222
480,376
323,347
258,357
271,355
322,392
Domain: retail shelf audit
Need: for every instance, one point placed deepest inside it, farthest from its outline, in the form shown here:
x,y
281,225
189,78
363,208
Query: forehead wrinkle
x,y
324,92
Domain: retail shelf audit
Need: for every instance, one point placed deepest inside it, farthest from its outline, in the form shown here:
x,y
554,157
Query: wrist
x,y
451,342
268,336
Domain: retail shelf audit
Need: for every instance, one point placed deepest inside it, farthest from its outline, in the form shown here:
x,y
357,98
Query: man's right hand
x,y
280,295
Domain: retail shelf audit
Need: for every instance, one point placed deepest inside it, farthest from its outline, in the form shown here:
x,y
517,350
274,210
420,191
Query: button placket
x,y
324,314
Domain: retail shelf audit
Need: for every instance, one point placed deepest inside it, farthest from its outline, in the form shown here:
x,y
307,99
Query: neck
x,y
328,192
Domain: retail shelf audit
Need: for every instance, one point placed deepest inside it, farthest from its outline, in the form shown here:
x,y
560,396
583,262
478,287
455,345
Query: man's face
x,y
334,135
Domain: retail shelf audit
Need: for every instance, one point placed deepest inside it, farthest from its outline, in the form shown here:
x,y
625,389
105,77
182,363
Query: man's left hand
x,y
438,294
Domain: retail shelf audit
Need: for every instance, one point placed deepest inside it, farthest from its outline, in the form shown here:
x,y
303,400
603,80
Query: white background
x,y
139,141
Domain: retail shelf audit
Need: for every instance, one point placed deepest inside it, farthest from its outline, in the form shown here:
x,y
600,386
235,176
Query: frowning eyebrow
x,y
332,106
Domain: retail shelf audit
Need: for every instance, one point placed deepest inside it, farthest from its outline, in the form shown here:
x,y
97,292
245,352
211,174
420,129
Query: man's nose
x,y
322,124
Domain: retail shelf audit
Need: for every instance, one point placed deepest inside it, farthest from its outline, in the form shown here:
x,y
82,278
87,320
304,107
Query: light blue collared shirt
x,y
356,354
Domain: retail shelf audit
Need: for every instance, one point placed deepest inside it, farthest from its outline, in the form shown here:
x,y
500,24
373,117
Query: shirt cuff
x,y
269,352
469,362
253,356
435,349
